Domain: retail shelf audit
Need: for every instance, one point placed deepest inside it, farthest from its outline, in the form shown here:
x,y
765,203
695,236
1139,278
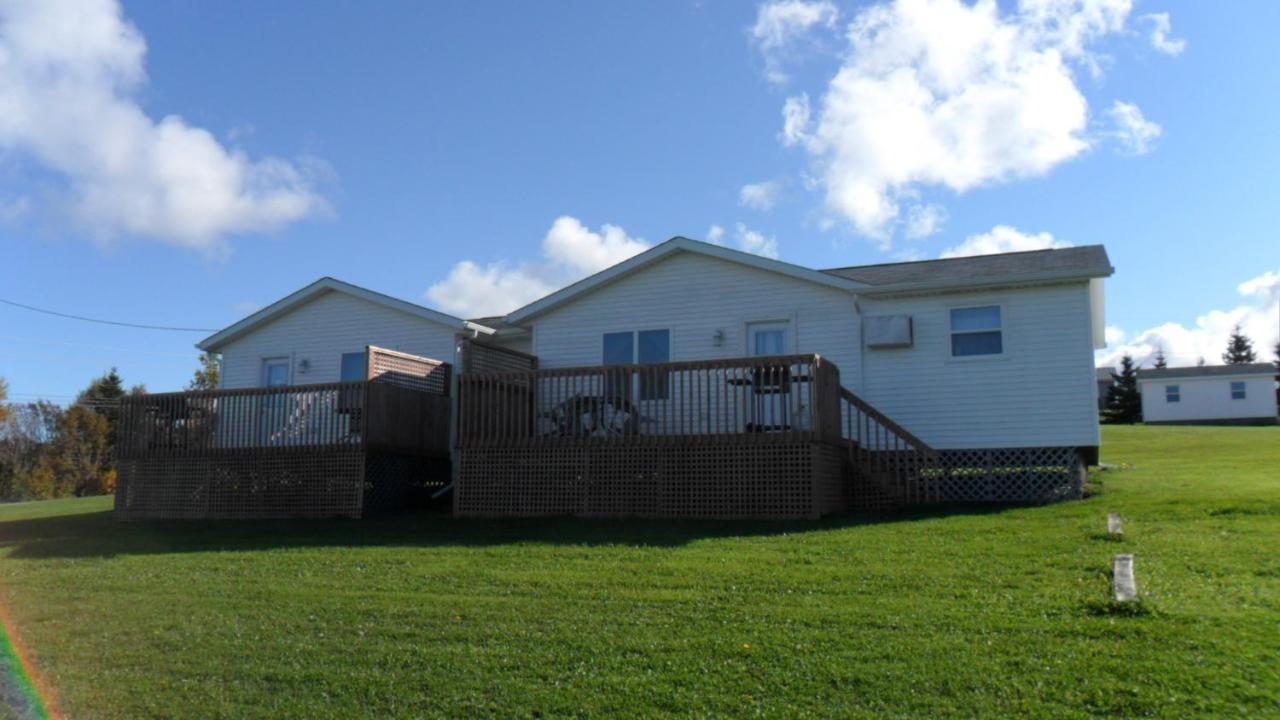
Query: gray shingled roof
x,y
1209,371
1084,261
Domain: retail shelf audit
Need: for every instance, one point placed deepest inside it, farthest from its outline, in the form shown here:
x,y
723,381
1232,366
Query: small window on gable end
x,y
977,331
1237,390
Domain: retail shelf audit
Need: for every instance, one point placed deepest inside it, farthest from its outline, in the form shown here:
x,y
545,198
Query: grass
x,y
964,614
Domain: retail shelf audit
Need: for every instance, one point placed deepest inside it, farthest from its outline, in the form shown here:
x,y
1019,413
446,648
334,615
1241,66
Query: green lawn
x,y
964,614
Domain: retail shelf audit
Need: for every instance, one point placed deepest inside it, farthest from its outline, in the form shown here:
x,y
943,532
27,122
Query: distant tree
x,y
1160,360
1124,402
1200,361
25,436
103,397
80,454
1239,349
4,399
206,376
1278,354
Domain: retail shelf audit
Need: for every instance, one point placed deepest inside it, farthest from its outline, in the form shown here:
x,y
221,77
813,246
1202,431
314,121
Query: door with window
x,y
771,385
271,408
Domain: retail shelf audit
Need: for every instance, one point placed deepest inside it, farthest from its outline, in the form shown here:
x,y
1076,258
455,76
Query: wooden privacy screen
x,y
297,451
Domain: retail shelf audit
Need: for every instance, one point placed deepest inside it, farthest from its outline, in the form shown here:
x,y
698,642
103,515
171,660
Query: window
x,y
275,372
645,347
976,331
1172,393
1237,390
353,367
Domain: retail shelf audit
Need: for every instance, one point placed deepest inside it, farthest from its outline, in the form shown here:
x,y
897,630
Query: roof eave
x,y
969,284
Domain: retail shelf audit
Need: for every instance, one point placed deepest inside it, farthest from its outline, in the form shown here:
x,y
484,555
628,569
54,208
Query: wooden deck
x,y
769,436
299,451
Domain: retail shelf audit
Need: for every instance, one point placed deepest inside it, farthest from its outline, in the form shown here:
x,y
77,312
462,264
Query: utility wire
x,y
104,322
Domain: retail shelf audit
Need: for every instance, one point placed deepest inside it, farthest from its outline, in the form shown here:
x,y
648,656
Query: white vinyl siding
x,y
708,305
1208,398
1041,391
324,329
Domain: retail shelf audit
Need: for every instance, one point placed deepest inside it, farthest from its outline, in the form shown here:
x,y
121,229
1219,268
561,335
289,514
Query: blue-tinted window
x,y
976,331
654,347
1237,391
353,367
619,349
1172,393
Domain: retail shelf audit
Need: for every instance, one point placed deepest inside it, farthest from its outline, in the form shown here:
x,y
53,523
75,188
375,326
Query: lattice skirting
x,y
1013,475
394,482
262,485
795,480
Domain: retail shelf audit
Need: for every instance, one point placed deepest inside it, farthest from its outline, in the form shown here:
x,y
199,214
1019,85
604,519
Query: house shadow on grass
x,y
90,535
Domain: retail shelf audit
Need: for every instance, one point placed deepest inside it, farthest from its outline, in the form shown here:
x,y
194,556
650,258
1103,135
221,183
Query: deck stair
x,y
886,464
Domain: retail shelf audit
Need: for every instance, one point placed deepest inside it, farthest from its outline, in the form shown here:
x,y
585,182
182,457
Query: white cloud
x,y
70,73
924,220
1136,133
1258,317
756,243
570,251
1114,335
795,120
715,235
1003,239
761,195
11,210
947,93
781,24
1160,29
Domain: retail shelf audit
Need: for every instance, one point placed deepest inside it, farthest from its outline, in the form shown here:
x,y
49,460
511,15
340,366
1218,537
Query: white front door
x,y
272,408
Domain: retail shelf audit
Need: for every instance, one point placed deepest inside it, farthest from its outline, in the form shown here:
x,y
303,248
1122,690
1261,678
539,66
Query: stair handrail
x,y
896,454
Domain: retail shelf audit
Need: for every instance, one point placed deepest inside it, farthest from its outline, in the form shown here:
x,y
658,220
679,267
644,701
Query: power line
x,y
140,326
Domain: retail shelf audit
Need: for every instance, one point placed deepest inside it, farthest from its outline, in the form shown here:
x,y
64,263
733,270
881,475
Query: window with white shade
x,y
977,331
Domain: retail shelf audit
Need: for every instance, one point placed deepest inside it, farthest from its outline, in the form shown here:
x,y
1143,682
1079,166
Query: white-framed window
x,y
354,367
275,371
768,338
1237,390
642,347
1172,393
977,331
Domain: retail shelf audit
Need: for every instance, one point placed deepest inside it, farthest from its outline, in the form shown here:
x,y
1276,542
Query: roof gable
x,y
311,292
1206,371
667,249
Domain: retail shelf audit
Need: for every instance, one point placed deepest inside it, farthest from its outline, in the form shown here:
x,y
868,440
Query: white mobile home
x,y
1209,395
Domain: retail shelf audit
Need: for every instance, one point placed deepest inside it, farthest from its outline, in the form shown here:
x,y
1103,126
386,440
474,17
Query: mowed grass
x,y
964,614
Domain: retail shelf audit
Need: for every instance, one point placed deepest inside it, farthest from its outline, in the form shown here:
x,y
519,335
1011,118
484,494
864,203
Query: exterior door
x,y
770,386
273,408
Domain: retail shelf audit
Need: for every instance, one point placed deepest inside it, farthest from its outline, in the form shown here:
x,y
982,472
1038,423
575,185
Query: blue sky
x,y
515,146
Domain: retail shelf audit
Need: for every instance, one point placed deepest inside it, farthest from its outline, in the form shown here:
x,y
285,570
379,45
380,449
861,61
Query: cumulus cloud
x,y
761,195
1136,134
570,251
746,240
924,220
70,74
1161,27
1003,239
951,94
795,120
781,25
1258,317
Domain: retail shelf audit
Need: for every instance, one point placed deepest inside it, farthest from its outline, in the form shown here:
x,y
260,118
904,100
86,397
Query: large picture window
x,y
977,331
645,347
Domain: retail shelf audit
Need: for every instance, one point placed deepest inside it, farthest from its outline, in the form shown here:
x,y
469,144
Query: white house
x,y
1212,394
981,352
318,335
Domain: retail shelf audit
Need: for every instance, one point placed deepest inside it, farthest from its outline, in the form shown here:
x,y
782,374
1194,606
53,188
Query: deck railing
x,y
886,453
361,415
758,399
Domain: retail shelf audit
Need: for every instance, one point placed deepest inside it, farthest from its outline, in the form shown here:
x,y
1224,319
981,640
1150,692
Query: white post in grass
x,y
1113,526
1126,589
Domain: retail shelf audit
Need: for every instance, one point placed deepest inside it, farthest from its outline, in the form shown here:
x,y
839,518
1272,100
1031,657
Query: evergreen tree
x,y
206,376
4,397
103,397
1124,402
1160,360
1239,349
1200,361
